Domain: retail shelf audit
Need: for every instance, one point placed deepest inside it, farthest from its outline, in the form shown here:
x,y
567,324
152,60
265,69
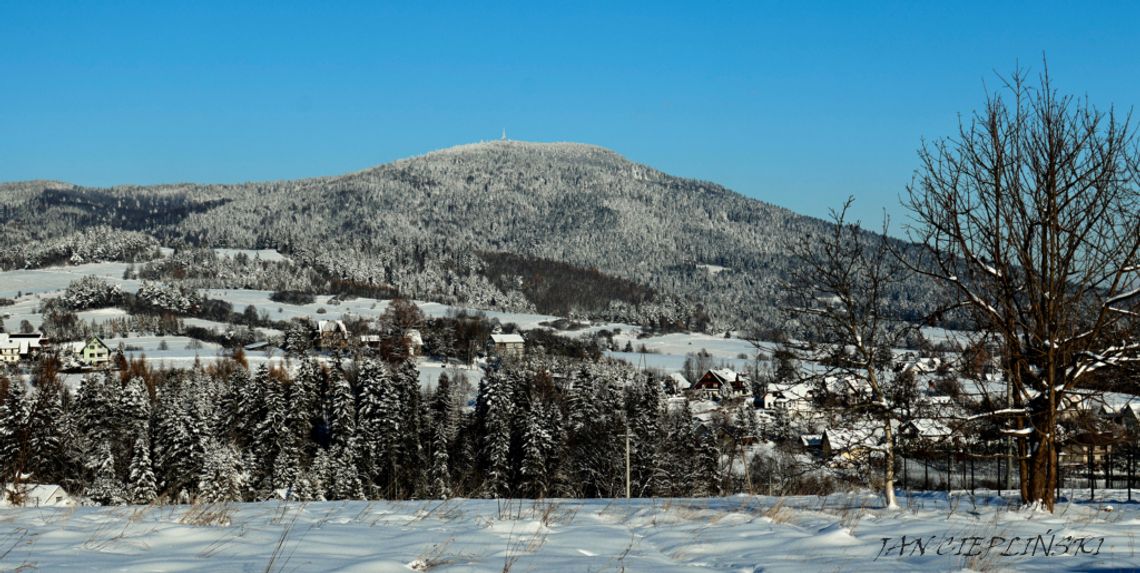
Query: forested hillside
x,y
646,246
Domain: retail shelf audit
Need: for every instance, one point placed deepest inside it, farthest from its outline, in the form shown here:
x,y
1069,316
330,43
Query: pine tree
x,y
707,476
410,463
48,434
105,488
15,426
141,484
643,410
496,406
443,426
341,410
674,474
378,427
223,477
539,444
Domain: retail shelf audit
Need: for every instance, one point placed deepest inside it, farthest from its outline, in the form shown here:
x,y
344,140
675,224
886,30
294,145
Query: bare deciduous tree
x,y
839,294
1029,215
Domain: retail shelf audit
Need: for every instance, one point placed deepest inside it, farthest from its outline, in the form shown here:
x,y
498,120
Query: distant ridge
x,y
426,226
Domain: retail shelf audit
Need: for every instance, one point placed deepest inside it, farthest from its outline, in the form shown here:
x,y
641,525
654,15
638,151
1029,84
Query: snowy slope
x,y
797,534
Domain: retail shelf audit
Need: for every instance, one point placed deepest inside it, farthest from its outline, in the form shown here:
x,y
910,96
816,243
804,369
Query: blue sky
x,y
796,103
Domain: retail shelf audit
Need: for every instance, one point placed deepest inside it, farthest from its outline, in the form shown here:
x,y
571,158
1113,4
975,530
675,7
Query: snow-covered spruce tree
x,y
106,487
241,409
276,447
707,476
541,447
839,294
15,430
142,486
1029,216
133,409
48,434
344,474
674,472
341,409
495,407
595,434
643,410
223,477
443,423
179,439
411,477
92,418
379,417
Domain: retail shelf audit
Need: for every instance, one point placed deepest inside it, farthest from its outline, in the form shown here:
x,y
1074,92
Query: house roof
x,y
679,380
720,377
840,439
413,336
98,342
38,495
24,342
800,391
929,428
331,326
507,339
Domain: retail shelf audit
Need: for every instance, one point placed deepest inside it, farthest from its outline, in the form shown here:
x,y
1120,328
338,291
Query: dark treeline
x,y
559,288
353,429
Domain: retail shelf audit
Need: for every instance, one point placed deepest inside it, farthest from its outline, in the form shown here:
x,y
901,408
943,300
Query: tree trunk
x,y
889,472
1040,484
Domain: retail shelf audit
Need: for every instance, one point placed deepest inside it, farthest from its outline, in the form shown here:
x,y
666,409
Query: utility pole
x,y
627,472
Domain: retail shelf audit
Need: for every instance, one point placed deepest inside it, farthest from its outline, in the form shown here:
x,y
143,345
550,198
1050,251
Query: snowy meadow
x,y
846,532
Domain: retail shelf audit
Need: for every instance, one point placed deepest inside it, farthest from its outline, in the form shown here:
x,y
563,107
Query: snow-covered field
x,y
798,534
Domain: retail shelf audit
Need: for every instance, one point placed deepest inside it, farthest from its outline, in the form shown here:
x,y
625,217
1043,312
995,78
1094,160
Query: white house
x,y
791,397
35,495
19,346
9,350
95,352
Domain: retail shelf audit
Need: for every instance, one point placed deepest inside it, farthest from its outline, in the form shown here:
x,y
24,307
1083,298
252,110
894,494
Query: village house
x,y
34,495
851,444
332,334
15,347
926,430
414,342
723,383
9,350
1127,415
676,383
796,398
507,345
94,352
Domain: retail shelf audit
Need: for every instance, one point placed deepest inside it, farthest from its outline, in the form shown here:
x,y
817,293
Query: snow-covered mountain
x,y
427,224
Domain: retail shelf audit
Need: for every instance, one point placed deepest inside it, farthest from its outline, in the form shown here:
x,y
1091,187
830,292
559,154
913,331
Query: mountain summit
x,y
432,226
